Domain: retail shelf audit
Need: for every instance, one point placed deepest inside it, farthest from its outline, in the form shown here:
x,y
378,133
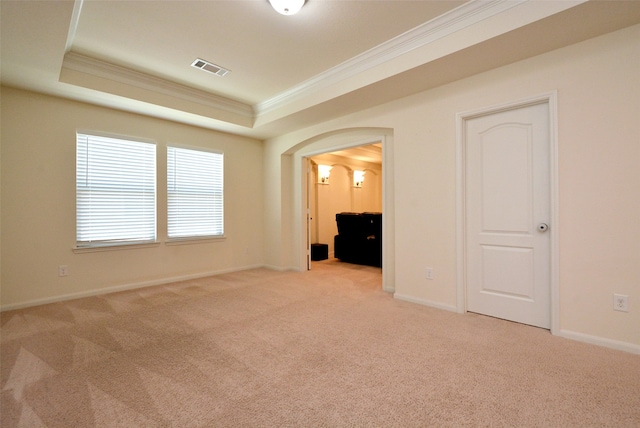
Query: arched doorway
x,y
331,142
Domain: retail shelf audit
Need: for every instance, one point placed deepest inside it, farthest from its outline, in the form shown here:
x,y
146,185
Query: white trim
x,y
195,240
388,215
461,278
124,287
549,98
554,200
425,302
444,25
600,341
95,67
103,134
192,147
282,269
73,27
115,247
349,145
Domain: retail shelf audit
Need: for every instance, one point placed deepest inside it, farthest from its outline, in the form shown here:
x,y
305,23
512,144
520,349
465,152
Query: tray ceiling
x,y
285,72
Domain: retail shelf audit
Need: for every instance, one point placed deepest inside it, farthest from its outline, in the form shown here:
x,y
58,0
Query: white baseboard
x,y
425,302
567,334
282,268
600,341
123,287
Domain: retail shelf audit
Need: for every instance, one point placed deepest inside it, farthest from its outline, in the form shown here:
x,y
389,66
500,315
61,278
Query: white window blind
x,y
195,193
115,191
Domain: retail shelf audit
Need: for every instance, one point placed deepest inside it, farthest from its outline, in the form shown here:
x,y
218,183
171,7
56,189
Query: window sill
x,y
194,240
115,247
175,241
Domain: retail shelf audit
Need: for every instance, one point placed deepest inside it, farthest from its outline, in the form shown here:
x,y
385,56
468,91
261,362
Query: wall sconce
x,y
323,174
358,178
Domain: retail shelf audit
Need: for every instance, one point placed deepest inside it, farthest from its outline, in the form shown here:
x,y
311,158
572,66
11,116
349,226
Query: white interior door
x,y
507,214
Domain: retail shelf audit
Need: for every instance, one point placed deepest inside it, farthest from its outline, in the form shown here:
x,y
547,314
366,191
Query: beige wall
x,y
38,202
598,174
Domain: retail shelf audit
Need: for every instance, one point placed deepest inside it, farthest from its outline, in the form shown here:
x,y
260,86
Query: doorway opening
x,y
330,143
346,186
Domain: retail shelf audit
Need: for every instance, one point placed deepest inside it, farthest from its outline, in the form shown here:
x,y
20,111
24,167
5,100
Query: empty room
x,y
290,213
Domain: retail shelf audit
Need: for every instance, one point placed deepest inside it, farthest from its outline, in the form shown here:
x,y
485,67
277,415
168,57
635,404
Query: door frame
x,y
307,209
338,140
549,98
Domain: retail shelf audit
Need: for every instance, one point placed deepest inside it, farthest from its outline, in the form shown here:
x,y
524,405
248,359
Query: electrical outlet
x,y
63,270
620,303
429,273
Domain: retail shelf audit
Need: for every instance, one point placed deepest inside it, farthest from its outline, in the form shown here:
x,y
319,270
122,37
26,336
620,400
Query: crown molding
x,y
102,69
451,22
73,27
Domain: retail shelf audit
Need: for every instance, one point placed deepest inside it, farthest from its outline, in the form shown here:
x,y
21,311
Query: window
x,y
115,191
194,193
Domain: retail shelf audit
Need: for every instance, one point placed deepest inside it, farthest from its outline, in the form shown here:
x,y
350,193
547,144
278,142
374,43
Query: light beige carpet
x,y
325,348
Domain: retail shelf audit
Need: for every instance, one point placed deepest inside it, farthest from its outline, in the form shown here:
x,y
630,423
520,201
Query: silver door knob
x,y
542,227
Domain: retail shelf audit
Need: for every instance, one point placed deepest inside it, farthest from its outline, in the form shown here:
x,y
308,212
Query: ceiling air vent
x,y
208,67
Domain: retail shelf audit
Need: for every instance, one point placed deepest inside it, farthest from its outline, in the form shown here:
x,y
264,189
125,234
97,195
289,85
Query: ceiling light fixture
x,y
287,7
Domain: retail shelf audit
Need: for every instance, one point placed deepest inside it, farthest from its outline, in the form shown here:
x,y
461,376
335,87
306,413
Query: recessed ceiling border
x,y
105,70
455,20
